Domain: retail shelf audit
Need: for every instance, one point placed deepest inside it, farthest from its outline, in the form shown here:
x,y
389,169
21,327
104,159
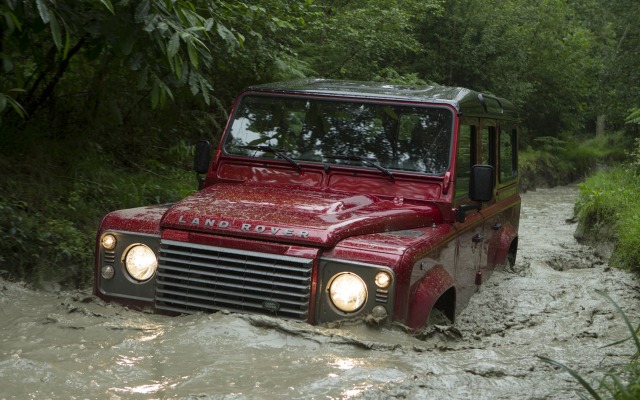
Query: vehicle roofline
x,y
467,102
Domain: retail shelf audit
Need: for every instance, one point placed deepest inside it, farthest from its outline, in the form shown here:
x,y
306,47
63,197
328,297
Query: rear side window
x,y
507,153
465,158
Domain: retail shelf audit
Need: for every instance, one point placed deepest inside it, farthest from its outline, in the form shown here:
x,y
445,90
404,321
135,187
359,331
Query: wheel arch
x,y
502,245
434,290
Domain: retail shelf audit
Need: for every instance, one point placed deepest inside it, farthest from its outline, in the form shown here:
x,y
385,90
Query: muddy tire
x,y
437,317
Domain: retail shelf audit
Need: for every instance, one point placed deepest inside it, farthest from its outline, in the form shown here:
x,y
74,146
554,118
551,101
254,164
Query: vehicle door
x,y
501,216
471,249
487,137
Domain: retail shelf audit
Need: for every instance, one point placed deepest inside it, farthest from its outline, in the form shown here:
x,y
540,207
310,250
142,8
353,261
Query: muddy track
x,y
65,345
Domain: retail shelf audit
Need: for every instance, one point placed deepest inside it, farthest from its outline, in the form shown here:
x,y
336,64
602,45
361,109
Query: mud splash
x,y
70,345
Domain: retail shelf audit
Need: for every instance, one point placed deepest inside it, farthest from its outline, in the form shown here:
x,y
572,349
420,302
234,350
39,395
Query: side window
x,y
508,165
486,138
465,158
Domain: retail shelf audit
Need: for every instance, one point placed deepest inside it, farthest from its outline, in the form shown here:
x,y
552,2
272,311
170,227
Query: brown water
x,y
70,345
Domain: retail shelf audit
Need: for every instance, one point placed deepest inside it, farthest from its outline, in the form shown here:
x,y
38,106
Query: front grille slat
x,y
210,299
193,278
194,288
205,260
245,275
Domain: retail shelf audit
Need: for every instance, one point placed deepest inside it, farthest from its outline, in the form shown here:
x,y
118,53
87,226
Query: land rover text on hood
x,y
328,200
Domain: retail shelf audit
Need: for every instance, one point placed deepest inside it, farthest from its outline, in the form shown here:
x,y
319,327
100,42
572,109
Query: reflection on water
x,y
143,389
345,363
69,345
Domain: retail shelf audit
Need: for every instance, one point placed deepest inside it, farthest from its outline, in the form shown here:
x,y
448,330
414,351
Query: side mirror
x,y
482,183
202,157
481,186
201,160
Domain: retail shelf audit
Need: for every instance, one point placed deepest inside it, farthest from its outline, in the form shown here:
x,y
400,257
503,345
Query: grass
x,y
607,210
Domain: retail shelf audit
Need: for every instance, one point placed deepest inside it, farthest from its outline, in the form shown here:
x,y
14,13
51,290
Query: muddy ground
x,y
70,345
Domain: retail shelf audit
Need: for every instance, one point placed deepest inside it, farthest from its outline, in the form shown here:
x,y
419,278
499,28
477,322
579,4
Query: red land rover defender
x,y
329,200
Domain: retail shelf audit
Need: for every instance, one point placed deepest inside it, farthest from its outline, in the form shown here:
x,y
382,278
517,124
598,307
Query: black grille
x,y
197,278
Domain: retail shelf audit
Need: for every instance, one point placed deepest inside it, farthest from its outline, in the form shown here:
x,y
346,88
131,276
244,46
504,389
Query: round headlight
x,y
109,241
141,262
383,279
347,292
108,272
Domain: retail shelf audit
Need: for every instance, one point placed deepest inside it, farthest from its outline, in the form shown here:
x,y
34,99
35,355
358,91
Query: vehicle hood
x,y
292,215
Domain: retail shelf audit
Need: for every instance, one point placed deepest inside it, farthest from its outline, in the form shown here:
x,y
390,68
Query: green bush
x,y
38,248
52,202
607,209
555,161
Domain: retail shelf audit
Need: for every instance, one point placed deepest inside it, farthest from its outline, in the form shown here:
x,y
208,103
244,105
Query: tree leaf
x,y
176,68
226,34
55,32
3,102
142,11
173,46
208,24
193,54
67,41
193,84
205,89
12,21
107,3
43,10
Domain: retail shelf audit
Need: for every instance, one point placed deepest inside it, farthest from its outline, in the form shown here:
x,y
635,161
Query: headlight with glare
x,y
109,241
383,279
347,292
141,262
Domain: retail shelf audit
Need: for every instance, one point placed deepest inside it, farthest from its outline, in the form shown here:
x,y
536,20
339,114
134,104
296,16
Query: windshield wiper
x,y
364,161
278,152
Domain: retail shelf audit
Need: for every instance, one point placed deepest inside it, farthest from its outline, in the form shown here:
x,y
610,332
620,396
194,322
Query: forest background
x,y
102,100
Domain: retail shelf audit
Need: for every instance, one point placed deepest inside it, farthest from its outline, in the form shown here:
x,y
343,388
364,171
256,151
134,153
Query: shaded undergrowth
x,y
51,202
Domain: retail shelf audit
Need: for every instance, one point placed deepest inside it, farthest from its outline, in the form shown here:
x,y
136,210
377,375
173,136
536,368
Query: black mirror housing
x,y
482,183
202,157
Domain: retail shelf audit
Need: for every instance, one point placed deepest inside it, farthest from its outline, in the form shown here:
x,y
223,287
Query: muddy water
x,y
69,345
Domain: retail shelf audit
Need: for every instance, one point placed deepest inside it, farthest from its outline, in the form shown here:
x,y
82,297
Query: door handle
x,y
496,226
477,238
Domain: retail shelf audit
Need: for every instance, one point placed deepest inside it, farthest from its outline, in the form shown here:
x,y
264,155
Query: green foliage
x,y
621,383
555,161
47,228
115,55
34,246
633,117
607,209
364,39
527,54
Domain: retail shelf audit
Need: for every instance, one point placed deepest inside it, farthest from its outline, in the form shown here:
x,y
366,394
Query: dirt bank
x,y
69,345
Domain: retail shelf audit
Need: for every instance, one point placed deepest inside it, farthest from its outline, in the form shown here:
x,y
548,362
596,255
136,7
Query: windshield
x,y
397,137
